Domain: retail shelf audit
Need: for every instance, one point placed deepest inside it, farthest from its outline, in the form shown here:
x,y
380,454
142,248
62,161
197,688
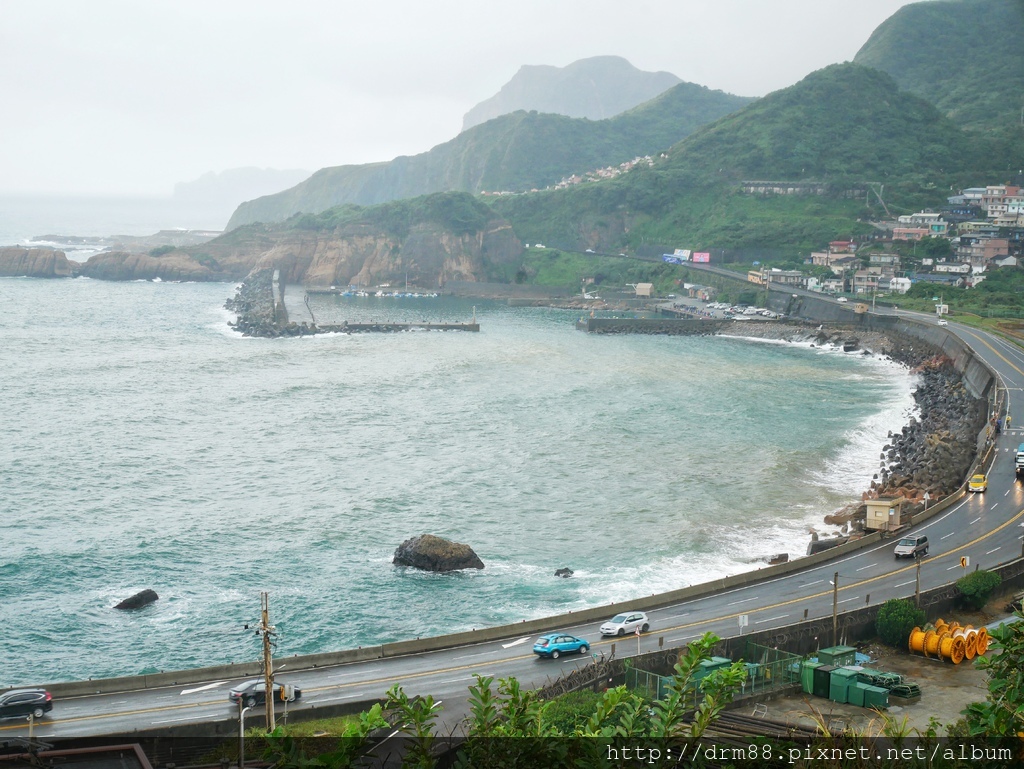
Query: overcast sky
x,y
125,97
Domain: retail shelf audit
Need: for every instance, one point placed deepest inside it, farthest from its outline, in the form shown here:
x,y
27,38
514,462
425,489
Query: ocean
x,y
146,445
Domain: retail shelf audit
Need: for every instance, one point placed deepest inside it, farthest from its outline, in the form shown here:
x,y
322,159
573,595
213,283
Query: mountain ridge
x,y
515,152
596,88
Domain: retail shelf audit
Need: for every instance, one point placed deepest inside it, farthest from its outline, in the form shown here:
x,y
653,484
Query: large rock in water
x,y
140,599
432,553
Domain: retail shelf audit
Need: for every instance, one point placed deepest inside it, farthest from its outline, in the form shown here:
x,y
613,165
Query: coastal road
x,y
987,528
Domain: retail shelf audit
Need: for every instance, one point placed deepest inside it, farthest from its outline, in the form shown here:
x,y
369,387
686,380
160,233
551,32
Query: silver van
x,y
913,546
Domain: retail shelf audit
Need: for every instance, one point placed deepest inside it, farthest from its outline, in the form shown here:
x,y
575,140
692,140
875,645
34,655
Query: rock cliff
x,y
35,263
176,265
428,255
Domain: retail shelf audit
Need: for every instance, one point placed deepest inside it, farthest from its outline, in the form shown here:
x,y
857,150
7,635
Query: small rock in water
x,y
137,601
566,572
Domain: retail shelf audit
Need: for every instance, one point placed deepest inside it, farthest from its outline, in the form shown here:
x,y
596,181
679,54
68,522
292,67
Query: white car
x,y
627,622
943,322
841,299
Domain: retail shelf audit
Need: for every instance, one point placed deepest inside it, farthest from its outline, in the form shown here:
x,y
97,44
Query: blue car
x,y
554,645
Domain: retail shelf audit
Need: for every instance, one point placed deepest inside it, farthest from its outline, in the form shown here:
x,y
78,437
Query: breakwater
x,y
666,326
260,311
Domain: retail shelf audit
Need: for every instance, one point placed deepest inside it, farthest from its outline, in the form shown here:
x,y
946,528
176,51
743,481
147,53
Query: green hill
x,y
965,56
515,152
843,127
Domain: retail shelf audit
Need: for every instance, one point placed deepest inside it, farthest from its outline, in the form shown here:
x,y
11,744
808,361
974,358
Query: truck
x,y
1018,461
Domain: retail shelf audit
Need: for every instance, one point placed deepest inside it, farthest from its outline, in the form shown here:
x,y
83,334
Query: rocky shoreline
x,y
934,451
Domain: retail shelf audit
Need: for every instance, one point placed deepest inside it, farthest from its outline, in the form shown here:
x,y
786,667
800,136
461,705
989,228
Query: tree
x,y
896,618
976,588
1002,712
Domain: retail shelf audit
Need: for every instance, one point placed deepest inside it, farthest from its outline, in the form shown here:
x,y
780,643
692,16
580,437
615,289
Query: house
x,y
980,250
833,285
933,224
954,268
899,285
892,260
939,280
909,233
643,290
840,264
997,199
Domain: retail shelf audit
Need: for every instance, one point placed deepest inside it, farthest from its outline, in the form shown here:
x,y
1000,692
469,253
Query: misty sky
x,y
124,97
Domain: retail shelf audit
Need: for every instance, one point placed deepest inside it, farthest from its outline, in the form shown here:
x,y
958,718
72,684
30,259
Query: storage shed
x,y
883,514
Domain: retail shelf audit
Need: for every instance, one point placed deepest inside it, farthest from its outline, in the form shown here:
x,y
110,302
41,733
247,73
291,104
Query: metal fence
x,y
768,668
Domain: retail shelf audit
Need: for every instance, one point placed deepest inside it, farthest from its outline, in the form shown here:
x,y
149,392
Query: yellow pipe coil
x,y
916,640
952,648
932,640
951,642
982,643
970,636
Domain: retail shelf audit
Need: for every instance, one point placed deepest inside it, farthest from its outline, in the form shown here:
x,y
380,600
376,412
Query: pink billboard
x,y
701,256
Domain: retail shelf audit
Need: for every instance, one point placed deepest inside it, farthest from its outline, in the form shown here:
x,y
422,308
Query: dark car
x,y
254,692
25,702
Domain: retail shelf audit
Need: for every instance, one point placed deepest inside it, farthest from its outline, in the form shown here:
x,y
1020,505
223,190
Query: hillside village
x,y
980,228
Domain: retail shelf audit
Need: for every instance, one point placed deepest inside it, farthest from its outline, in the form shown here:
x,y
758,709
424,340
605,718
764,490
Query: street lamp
x,y
241,733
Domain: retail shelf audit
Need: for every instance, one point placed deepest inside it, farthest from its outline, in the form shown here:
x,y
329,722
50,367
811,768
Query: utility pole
x,y
268,660
917,589
835,610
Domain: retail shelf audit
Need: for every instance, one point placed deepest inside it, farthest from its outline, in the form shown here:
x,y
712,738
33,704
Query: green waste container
x,y
822,680
839,683
837,655
855,694
876,697
807,676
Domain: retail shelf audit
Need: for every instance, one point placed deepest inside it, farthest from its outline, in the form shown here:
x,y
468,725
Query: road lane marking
x,y
353,675
865,567
770,619
975,521
847,600
947,536
817,582
745,600
173,720
203,688
515,643
993,550
904,584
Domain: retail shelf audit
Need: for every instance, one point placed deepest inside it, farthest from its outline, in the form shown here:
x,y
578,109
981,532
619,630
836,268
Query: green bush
x,y
896,618
976,588
161,250
571,711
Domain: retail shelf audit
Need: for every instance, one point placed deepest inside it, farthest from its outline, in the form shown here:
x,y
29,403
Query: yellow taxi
x,y
978,482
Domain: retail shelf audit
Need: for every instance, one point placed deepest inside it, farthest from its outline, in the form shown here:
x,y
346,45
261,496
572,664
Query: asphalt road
x,y
984,527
